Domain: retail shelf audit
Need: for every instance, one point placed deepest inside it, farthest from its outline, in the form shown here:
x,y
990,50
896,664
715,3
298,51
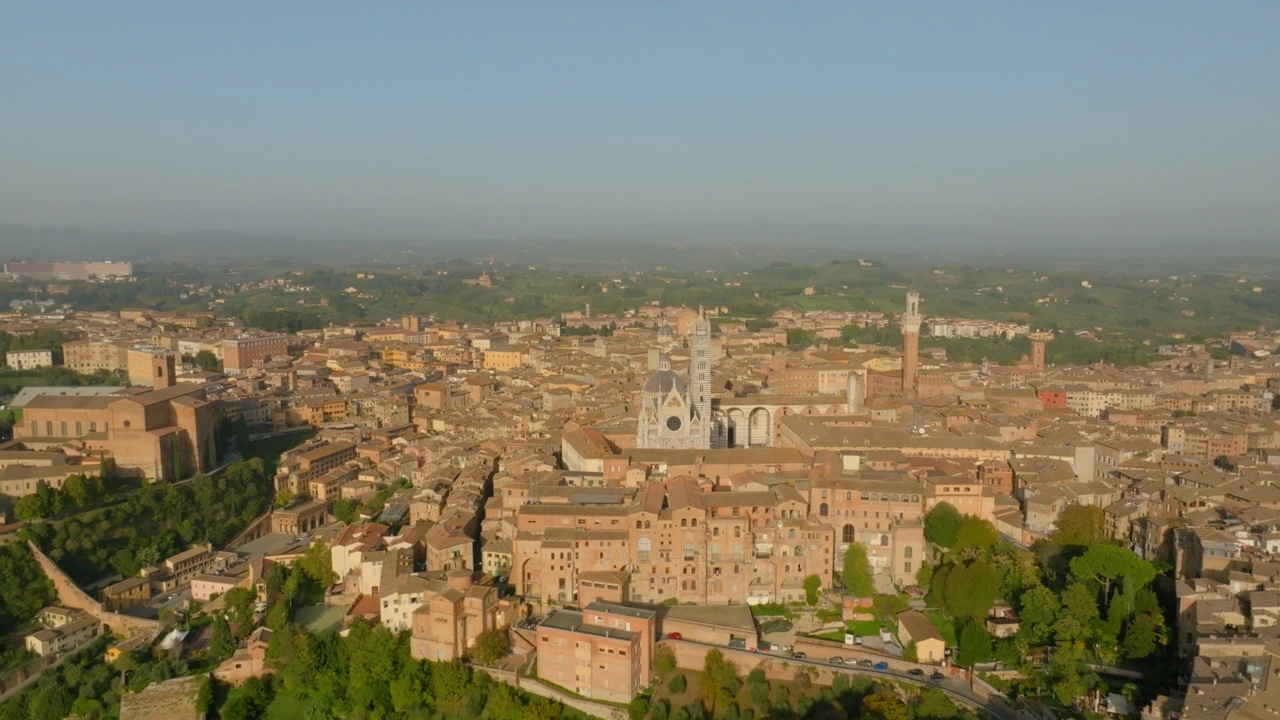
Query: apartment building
x,y
300,466
602,652
28,359
243,352
63,631
450,619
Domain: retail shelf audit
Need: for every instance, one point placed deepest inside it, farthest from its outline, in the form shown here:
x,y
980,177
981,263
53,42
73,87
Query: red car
x,y
674,636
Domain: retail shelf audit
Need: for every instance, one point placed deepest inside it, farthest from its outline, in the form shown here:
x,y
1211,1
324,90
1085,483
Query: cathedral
x,y
675,414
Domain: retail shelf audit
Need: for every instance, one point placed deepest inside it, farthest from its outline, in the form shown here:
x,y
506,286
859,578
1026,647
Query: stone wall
x,y
70,595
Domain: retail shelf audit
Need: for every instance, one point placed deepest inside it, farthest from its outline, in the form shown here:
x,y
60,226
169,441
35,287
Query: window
x,y
799,550
684,522
906,567
737,531
847,535
637,524
791,534
884,541
688,549
907,552
643,548
822,509
715,532
848,494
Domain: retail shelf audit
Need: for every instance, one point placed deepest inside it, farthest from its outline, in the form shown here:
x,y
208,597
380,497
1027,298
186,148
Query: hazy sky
x,y
540,118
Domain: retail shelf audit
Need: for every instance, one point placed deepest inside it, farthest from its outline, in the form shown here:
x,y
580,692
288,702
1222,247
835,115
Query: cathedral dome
x,y
663,382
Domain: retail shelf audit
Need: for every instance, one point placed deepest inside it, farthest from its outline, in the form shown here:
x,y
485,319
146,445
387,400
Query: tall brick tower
x,y
700,377
1038,340
911,320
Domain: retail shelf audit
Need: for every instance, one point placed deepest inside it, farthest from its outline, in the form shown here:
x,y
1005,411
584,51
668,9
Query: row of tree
x,y
154,522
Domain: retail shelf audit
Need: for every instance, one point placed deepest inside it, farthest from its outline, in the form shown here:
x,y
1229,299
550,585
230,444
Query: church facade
x,y
675,414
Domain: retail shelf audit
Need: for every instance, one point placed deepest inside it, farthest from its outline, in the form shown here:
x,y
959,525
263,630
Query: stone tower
x,y
1038,340
854,392
911,320
700,378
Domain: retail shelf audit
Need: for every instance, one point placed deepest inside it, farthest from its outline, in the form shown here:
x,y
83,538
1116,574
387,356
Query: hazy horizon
x,y
1022,123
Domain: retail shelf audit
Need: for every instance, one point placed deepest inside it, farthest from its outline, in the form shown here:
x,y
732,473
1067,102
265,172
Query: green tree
x,y
1105,564
975,645
206,361
346,510
933,704
719,679
31,507
812,585
24,588
664,661
856,572
1038,611
884,704
1145,634
222,644
1080,525
491,646
941,525
1079,614
974,533
971,590
317,563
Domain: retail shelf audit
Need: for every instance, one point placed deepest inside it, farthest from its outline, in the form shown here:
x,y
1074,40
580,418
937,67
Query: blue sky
x,y
1090,119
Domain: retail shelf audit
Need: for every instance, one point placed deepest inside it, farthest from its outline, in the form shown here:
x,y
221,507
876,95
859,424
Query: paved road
x,y
956,689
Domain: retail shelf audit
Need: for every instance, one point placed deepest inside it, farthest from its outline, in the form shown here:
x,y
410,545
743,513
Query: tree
x,y
206,361
31,507
812,585
941,524
346,510
975,645
24,588
664,661
1144,635
856,572
1104,564
719,679
1078,615
976,534
677,684
970,590
1080,525
222,644
933,704
491,646
1039,610
317,563
884,705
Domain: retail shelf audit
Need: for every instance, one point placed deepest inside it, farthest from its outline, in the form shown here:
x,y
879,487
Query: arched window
x,y
791,533
884,540
915,498
799,551
875,497
907,552
637,524
693,584
847,536
646,524
684,522
864,496
786,568
822,509
715,532
737,531
893,498
848,494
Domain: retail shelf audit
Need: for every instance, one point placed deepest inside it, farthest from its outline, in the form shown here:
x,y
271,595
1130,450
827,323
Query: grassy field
x,y
320,618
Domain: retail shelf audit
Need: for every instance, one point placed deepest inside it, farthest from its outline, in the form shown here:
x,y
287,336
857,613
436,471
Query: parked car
x,y
799,656
881,666
836,661
915,592
674,636
916,671
937,676
865,663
